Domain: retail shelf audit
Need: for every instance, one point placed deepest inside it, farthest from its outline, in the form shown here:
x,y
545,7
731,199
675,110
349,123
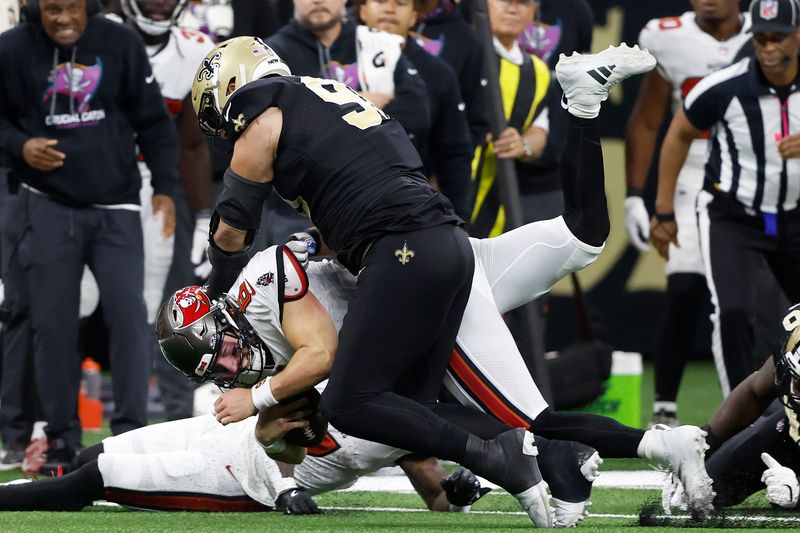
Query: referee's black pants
x,y
736,242
396,340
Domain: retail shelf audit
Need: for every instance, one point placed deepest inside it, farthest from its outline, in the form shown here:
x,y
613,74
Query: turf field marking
x,y
638,479
591,515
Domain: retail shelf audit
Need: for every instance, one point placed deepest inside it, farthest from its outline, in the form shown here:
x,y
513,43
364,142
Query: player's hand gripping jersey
x,y
341,161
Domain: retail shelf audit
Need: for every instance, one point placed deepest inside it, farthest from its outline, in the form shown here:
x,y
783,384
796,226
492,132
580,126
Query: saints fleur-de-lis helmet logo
x,y
225,69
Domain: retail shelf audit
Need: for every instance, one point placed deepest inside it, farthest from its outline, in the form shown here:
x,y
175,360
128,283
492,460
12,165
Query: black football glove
x,y
463,488
296,501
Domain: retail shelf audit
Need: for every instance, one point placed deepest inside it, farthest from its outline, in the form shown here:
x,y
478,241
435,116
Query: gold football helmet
x,y
227,67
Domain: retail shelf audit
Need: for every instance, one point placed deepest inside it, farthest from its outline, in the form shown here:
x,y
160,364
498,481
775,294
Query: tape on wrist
x,y
285,483
276,447
262,394
665,217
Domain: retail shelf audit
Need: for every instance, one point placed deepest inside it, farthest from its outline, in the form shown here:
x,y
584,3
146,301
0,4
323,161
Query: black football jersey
x,y
342,161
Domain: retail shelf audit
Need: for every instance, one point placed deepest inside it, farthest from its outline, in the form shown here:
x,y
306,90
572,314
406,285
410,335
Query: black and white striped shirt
x,y
747,118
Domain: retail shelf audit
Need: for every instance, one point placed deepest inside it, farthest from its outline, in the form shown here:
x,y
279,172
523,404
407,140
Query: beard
x,y
319,24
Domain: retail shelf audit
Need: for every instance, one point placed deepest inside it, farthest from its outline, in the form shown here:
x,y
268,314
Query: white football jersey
x,y
340,460
175,64
685,55
271,278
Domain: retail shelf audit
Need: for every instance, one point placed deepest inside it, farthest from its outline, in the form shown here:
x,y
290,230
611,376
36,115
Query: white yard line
x,y
637,479
591,515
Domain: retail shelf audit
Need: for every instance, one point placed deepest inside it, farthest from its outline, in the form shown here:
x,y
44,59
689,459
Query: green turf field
x,y
613,509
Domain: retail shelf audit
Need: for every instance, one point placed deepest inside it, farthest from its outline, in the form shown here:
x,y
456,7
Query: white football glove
x,y
637,222
303,245
202,267
782,485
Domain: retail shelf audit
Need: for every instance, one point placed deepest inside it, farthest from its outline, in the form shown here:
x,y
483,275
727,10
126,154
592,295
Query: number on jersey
x,y
363,117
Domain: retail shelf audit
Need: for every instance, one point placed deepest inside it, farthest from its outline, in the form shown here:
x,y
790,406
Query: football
x,y
315,432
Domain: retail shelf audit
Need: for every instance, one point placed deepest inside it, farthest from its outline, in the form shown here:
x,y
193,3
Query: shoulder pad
x,y
295,278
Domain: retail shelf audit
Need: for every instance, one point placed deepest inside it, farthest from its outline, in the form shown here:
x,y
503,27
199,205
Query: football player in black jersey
x,y
353,171
754,436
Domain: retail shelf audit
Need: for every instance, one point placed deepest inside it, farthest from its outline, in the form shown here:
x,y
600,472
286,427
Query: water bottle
x,y
90,407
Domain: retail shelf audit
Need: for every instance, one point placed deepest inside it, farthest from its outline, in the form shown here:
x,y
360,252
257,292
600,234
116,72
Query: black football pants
x,y
396,340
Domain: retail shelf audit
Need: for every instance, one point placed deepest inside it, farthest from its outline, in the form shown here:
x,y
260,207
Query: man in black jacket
x,y
447,153
77,96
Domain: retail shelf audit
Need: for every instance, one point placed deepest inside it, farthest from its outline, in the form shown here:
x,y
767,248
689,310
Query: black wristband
x,y
635,191
665,217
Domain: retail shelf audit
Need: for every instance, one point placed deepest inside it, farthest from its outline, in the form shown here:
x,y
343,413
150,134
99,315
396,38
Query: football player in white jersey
x,y
197,464
687,48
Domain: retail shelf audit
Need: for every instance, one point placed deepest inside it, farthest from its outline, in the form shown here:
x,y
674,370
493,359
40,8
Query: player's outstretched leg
x,y
586,80
570,468
509,460
71,492
682,450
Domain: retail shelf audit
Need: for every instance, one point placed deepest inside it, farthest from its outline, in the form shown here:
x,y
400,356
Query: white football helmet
x,y
153,17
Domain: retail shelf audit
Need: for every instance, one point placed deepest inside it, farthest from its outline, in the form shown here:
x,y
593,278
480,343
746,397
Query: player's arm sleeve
x,y
450,146
144,106
410,104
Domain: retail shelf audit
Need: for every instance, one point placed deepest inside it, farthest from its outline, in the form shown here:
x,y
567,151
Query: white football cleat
x,y
683,450
568,514
536,502
587,78
672,495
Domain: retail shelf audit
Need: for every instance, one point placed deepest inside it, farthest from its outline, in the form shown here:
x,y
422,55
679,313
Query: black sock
x,y
476,422
71,492
88,455
604,434
675,338
583,182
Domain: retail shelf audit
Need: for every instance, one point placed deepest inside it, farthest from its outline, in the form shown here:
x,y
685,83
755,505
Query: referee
x,y
748,211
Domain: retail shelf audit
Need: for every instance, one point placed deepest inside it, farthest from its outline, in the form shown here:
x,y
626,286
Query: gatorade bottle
x,y
90,407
